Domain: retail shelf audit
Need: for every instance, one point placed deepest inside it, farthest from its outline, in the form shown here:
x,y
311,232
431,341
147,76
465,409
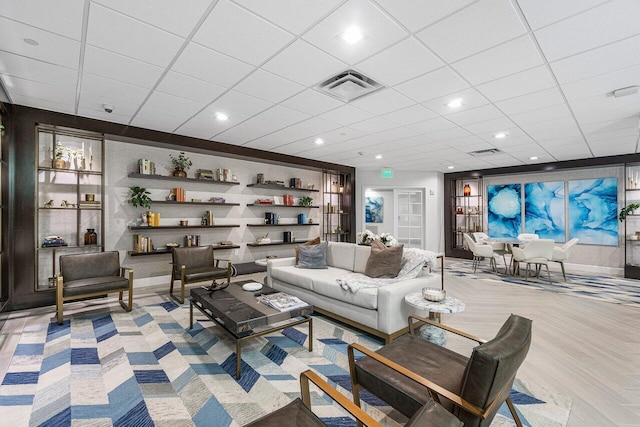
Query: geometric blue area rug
x,y
147,368
596,287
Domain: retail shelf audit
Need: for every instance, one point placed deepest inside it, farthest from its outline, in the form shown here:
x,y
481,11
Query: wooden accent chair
x,y
196,264
410,371
298,412
89,275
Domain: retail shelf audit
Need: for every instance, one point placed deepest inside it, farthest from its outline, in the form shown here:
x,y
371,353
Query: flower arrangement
x,y
368,237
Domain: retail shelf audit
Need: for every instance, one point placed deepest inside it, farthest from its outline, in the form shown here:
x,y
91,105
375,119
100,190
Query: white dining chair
x,y
562,253
480,251
538,252
500,249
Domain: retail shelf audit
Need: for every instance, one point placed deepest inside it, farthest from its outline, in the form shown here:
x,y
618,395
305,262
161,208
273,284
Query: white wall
x,y
122,159
430,182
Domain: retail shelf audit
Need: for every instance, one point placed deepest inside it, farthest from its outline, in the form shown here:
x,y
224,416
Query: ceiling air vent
x,y
487,152
348,85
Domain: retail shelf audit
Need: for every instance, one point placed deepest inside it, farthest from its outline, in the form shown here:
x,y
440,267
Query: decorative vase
x,y
59,164
91,237
179,173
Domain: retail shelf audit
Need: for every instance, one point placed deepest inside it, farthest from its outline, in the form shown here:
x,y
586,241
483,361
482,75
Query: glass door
x,y
410,225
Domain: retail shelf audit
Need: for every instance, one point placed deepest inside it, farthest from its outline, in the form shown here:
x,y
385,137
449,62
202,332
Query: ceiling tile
x,y
532,101
430,126
540,13
131,37
614,147
52,47
560,111
382,101
292,15
480,26
282,115
28,88
471,98
156,120
121,108
211,66
415,59
188,87
379,31
346,115
475,115
305,64
97,112
194,133
237,102
491,127
598,61
601,108
248,130
312,102
167,14
268,86
410,115
39,71
316,125
112,89
64,18
490,64
528,81
118,67
609,125
226,30
594,27
375,125
174,104
416,15
205,121
44,104
448,134
603,84
280,138
432,85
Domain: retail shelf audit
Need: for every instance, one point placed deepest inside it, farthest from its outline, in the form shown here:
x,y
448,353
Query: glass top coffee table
x,y
243,317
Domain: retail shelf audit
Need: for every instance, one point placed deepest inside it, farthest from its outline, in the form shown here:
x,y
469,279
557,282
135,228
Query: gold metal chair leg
x,y
514,414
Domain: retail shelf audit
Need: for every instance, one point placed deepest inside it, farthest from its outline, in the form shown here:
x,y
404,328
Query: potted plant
x,y
139,197
58,154
305,201
180,163
628,210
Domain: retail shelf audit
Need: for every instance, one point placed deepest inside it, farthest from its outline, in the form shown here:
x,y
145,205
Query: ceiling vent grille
x,y
487,152
348,85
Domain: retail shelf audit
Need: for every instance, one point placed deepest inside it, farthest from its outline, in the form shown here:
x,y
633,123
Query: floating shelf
x,y
282,206
168,251
178,227
281,187
42,168
280,225
177,179
173,202
256,245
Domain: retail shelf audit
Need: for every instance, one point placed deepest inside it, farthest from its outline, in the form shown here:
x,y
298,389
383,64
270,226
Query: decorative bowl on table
x,y
433,294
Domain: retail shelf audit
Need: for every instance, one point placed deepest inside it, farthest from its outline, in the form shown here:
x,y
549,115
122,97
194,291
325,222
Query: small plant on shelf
x,y
139,197
180,163
628,210
58,154
305,201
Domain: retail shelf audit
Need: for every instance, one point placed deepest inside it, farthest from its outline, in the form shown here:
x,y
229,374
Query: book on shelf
x,y
180,194
142,244
282,302
146,167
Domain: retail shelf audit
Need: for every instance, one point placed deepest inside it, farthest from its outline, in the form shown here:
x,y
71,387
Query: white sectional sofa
x,y
377,310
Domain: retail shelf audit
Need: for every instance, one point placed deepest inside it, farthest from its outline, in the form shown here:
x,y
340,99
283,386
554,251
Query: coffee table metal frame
x,y
218,317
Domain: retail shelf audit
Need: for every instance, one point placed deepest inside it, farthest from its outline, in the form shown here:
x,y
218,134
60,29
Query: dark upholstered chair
x,y
89,275
409,371
298,412
196,264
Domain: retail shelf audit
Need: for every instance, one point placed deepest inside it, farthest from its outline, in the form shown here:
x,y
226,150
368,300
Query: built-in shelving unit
x,y
632,222
337,197
466,207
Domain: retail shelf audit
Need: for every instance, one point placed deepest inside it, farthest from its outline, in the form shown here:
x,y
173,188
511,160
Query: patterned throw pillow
x,y
384,261
313,256
311,242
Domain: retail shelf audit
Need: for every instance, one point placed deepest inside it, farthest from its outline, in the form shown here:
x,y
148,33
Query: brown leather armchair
x,y
196,264
410,371
92,274
298,412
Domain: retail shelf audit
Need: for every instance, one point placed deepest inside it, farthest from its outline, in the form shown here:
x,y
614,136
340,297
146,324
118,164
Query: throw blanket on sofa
x,y
413,260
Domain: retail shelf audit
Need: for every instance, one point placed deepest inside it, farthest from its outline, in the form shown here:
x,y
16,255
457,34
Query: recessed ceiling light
x,y
319,141
32,42
379,156
221,116
449,167
500,135
533,158
455,103
352,35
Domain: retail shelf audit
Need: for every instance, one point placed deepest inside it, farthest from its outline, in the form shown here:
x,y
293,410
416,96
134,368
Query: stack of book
x,y
282,302
142,244
288,199
146,167
84,204
181,195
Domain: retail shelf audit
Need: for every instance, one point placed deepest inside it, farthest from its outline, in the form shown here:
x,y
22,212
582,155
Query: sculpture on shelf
x,y
66,204
180,163
263,240
49,204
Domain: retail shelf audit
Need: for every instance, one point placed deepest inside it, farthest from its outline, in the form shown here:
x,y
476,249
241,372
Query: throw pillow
x,y
311,242
313,256
384,261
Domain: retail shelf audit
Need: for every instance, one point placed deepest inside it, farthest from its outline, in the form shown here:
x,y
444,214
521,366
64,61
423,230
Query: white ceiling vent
x,y
487,152
348,85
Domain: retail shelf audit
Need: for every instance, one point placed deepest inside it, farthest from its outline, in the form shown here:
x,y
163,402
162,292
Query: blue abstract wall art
x,y
504,216
373,209
593,211
544,210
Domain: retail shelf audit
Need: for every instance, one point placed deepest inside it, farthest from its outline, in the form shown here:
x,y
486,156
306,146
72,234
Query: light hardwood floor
x,y
584,349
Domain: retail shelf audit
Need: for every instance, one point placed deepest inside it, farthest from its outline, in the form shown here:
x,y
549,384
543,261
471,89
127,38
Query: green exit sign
x,y
387,173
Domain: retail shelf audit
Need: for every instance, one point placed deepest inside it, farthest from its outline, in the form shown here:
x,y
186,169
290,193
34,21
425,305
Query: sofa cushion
x,y
340,255
90,285
326,285
311,242
295,276
384,261
314,257
361,257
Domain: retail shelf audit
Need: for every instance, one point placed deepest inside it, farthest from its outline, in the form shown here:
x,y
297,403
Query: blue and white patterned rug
x,y
596,287
147,368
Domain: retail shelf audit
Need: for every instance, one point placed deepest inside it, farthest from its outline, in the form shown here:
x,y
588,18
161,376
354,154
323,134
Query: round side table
x,y
435,309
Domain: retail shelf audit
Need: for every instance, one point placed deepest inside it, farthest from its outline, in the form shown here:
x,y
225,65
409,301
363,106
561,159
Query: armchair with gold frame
x,y
410,371
196,264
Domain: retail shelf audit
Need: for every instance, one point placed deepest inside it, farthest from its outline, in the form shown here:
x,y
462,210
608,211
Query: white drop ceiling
x,y
541,71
